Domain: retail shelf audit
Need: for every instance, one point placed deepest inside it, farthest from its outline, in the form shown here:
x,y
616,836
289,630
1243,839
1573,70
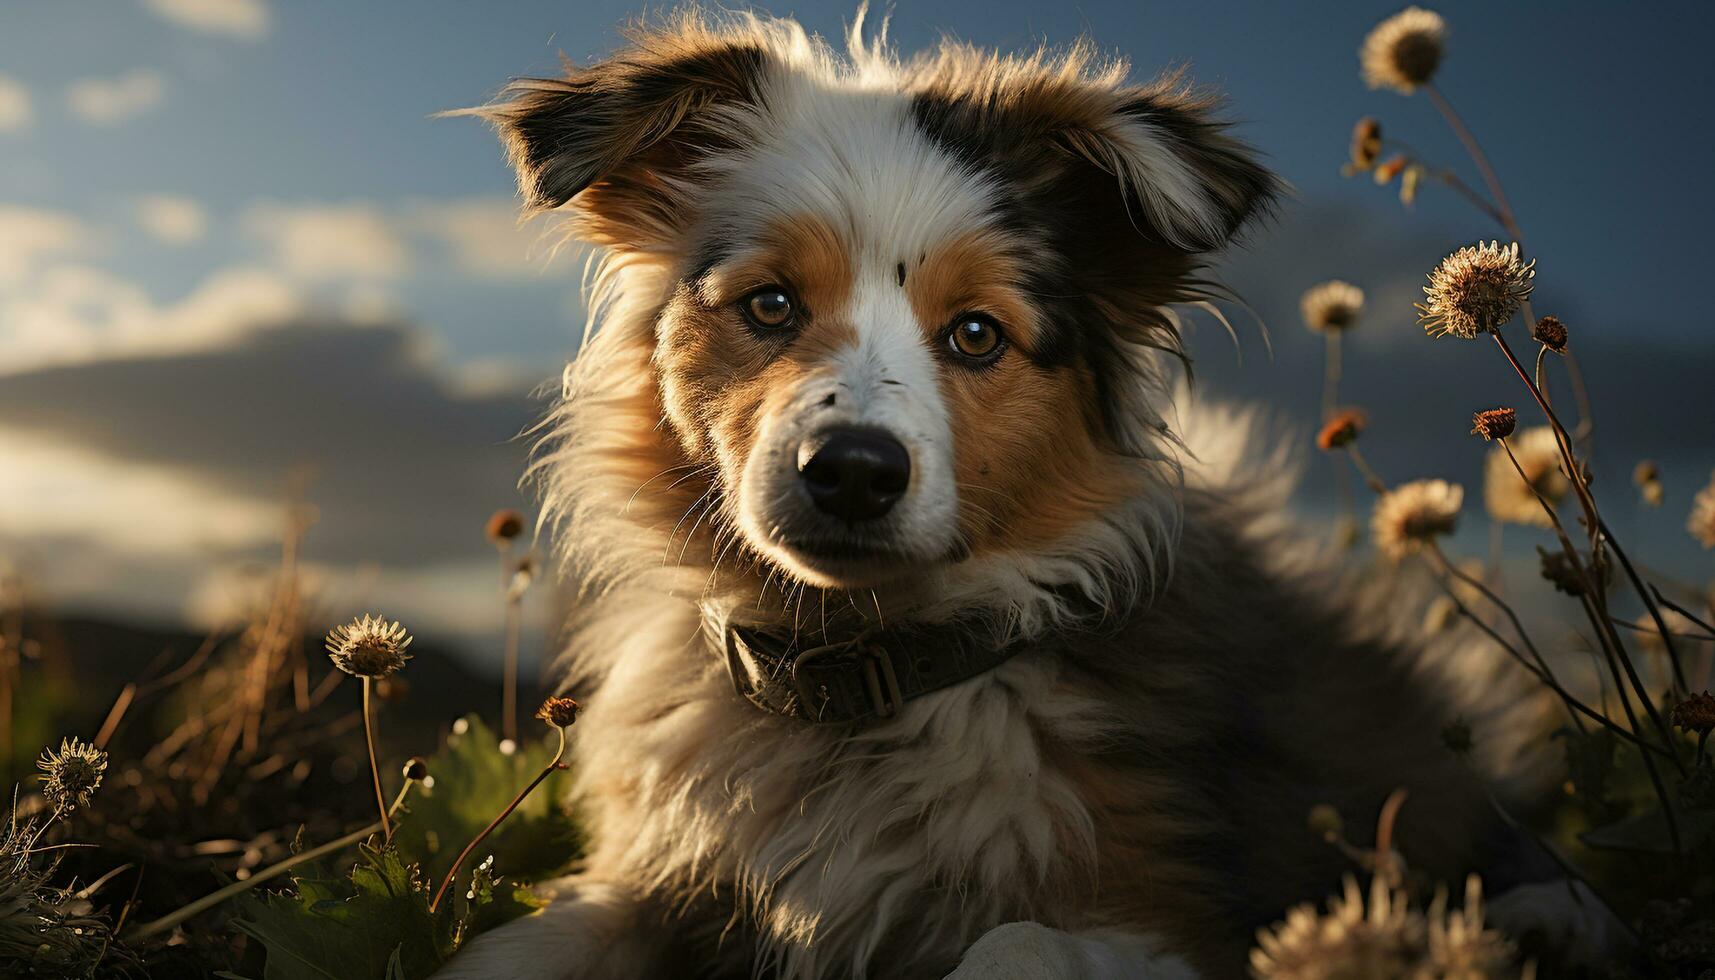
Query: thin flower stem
x,y
374,769
1331,377
1570,699
31,846
1476,200
553,765
1498,603
1599,535
509,705
1475,150
1370,478
1669,603
1543,672
203,904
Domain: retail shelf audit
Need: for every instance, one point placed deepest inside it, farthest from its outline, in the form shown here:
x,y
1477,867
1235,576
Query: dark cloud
x,y
406,465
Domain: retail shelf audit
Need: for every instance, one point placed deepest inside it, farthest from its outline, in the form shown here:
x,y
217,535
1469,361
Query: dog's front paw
x,y
1032,951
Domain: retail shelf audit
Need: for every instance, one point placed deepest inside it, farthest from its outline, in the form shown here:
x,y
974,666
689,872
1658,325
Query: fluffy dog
x,y
918,635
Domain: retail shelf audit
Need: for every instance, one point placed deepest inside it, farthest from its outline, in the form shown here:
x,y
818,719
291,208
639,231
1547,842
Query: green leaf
x,y
374,926
473,783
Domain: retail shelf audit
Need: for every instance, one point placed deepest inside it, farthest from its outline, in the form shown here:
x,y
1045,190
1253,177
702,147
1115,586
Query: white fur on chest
x,y
918,833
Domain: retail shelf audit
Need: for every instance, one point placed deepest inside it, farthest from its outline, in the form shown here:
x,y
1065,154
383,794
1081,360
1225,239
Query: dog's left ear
x,y
1159,152
613,138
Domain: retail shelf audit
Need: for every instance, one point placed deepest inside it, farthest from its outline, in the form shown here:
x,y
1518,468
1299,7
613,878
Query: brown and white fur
x,y
1126,796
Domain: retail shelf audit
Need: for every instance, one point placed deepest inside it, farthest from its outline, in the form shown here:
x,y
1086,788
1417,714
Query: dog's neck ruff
x,y
866,677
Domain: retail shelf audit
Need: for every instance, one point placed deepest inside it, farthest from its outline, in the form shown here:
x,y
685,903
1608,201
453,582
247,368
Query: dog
x,y
923,630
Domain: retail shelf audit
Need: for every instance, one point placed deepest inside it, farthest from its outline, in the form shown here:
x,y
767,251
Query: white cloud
x,y
105,101
76,313
15,110
57,489
29,235
244,19
341,241
172,219
484,236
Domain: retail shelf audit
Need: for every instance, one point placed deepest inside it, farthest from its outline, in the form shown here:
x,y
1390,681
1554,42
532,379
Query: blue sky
x,y
174,169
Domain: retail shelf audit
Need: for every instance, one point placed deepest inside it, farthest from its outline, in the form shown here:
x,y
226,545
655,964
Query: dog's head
x,y
906,312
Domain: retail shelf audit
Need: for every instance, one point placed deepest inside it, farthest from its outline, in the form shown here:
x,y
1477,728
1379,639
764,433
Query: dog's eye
x,y
769,308
975,337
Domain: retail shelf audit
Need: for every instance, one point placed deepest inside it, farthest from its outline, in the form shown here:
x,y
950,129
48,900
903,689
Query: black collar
x,y
870,675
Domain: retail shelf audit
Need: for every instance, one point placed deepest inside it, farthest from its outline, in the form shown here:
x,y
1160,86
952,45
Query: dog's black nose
x,y
854,474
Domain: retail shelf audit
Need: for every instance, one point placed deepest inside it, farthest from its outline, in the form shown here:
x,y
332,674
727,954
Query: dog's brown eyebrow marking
x,y
900,269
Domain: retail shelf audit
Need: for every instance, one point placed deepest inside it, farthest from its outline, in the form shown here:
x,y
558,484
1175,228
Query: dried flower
x,y
416,769
1511,499
503,526
1495,423
1403,51
1475,290
1550,333
1391,169
72,775
1366,146
1702,521
1647,476
369,647
559,712
1414,514
1408,184
1696,713
1344,427
1461,946
1377,938
1559,570
523,574
1332,306
1383,937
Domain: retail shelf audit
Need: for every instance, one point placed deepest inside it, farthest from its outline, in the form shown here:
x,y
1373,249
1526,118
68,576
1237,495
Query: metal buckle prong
x,y
877,671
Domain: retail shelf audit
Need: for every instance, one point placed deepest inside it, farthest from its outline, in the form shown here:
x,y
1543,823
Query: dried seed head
x,y
1332,306
1343,428
1412,515
503,526
1696,713
1325,822
71,775
1390,169
1403,51
1475,290
369,646
1366,146
1647,476
1558,570
1496,423
1550,333
1702,521
559,712
417,769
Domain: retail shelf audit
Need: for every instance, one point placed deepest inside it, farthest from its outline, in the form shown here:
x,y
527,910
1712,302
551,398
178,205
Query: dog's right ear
x,y
618,139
